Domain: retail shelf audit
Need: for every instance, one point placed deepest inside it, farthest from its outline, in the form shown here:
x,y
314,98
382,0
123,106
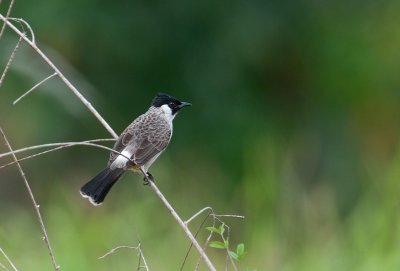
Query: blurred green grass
x,y
294,125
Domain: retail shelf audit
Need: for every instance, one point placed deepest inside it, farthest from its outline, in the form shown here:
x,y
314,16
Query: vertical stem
x,y
39,215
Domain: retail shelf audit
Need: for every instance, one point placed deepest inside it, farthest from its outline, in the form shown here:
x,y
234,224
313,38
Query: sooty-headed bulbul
x,y
137,147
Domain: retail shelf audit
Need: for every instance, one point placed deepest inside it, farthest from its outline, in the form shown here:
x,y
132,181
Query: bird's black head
x,y
165,99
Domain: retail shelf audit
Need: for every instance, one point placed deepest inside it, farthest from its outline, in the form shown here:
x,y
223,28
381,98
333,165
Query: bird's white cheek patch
x,y
167,112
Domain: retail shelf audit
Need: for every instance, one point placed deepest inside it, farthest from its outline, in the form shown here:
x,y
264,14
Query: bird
x,y
137,148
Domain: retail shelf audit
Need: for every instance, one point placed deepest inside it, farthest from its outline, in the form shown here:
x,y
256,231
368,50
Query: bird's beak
x,y
183,104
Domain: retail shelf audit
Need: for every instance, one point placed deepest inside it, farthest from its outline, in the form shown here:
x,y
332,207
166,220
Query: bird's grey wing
x,y
143,139
124,139
153,140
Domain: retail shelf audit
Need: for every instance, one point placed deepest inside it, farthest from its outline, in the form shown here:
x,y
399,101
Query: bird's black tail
x,y
97,188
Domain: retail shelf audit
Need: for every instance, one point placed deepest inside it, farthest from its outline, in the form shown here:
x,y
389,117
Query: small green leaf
x,y
222,229
217,244
213,229
241,256
240,249
233,255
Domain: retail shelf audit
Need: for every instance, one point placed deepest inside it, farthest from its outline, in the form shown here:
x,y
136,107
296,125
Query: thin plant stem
x,y
191,244
36,206
140,255
10,60
8,259
34,87
61,75
66,144
62,147
111,131
6,18
4,267
179,220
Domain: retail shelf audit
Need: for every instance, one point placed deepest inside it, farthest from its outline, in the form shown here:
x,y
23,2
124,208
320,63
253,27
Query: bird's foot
x,y
149,178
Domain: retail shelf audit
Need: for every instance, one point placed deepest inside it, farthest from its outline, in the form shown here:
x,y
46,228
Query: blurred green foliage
x,y
295,125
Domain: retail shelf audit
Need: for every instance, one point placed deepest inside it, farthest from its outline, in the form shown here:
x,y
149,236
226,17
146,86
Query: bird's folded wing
x,y
142,143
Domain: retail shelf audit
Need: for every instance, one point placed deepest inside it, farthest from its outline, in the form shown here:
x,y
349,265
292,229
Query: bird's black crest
x,y
163,98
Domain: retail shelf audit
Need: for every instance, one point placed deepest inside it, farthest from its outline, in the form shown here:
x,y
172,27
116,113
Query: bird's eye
x,y
172,104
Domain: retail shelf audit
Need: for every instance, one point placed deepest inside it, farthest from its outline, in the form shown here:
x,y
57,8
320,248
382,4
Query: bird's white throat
x,y
167,112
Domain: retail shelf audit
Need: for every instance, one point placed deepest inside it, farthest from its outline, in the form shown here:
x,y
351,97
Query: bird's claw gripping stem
x,y
148,178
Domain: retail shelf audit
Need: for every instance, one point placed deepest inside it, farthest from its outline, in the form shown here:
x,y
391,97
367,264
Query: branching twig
x,y
212,213
34,87
66,144
210,235
180,221
22,22
8,259
215,217
61,75
10,60
191,245
45,236
140,255
111,131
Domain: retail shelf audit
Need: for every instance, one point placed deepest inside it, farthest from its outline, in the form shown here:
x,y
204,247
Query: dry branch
x,y
215,218
8,259
180,221
61,75
140,255
36,206
10,60
6,18
62,144
34,87
111,131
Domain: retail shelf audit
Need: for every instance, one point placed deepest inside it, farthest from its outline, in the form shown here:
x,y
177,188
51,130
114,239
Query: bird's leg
x,y
148,178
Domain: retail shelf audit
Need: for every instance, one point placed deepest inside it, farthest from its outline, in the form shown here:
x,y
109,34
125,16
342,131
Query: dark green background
x,y
294,124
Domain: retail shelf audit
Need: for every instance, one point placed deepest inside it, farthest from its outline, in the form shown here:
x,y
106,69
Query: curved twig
x,y
23,22
34,87
140,254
